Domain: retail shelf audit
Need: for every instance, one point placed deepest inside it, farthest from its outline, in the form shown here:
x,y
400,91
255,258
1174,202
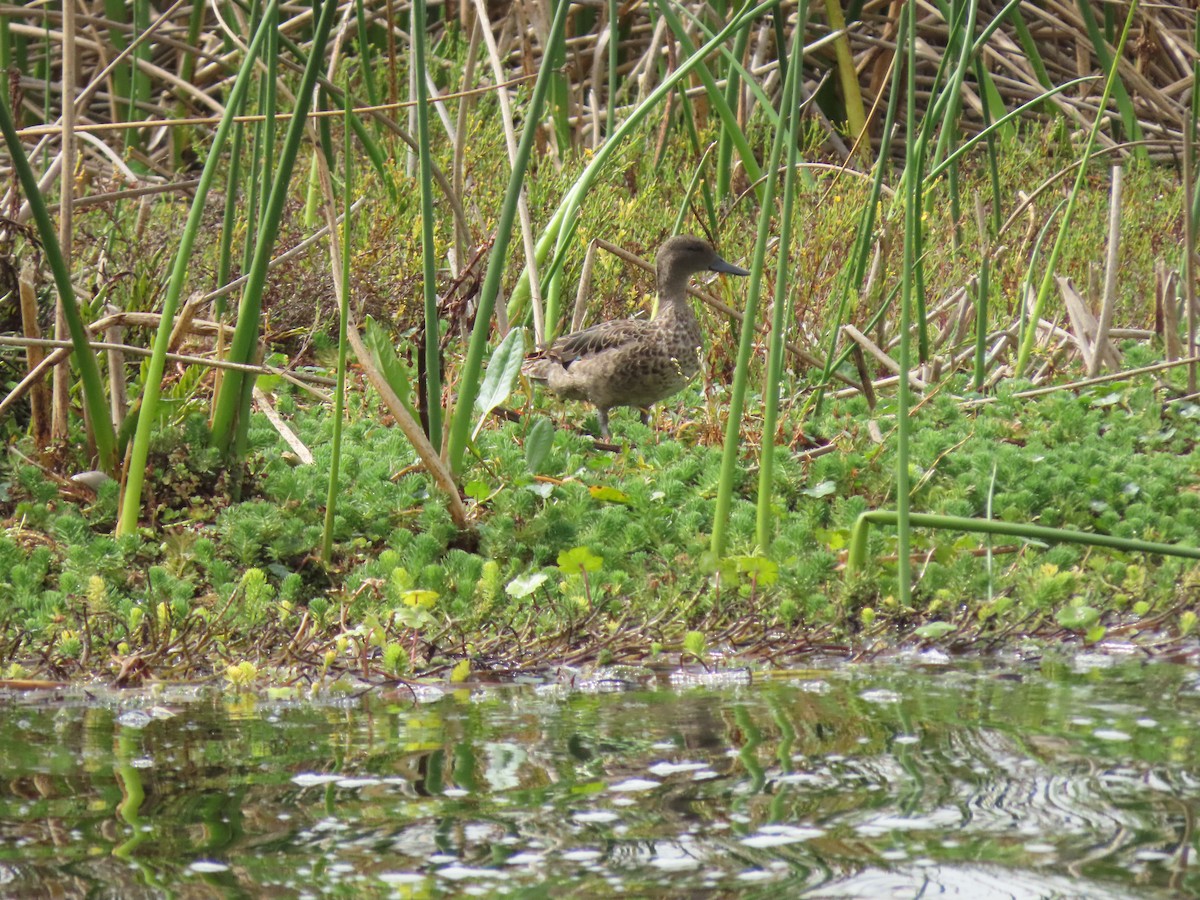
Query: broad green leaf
x,y
764,571
695,644
524,585
537,444
394,370
823,489
476,490
1077,618
501,375
578,559
934,630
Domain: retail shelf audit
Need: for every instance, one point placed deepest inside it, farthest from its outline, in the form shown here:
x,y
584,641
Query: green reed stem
x,y
94,400
433,350
856,558
730,455
339,392
788,116
229,401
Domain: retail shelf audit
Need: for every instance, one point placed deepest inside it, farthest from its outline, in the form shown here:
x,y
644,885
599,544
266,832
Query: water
x,y
1076,778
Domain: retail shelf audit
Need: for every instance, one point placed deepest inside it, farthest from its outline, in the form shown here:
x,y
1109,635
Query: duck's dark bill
x,y
719,265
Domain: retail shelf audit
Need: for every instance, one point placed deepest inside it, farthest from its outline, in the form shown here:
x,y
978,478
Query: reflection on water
x,y
1044,780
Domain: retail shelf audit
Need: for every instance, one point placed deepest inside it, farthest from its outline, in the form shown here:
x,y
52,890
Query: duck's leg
x,y
645,414
602,418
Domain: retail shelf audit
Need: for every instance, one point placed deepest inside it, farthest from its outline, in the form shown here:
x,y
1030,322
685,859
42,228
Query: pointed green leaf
x,y
394,370
501,375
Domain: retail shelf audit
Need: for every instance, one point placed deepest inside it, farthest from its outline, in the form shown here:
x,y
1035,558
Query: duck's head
x,y
684,255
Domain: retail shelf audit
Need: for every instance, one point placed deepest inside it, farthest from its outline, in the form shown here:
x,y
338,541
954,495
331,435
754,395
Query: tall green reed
x,y
232,400
912,226
432,400
94,399
788,116
339,394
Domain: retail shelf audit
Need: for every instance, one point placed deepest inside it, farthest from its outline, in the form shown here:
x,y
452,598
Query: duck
x,y
635,362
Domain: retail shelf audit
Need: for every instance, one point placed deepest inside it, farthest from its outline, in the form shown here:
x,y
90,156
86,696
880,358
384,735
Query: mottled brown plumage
x,y
635,362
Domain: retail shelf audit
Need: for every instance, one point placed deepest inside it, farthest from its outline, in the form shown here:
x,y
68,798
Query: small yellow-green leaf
x,y
606,494
578,559
460,671
419,599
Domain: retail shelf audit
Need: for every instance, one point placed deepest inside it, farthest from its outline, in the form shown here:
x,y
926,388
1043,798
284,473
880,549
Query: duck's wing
x,y
596,339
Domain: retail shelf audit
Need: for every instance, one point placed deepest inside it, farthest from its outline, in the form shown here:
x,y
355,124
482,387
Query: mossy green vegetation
x,y
597,550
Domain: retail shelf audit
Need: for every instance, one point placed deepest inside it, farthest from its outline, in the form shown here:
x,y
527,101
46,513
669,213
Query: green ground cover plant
x,y
607,550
